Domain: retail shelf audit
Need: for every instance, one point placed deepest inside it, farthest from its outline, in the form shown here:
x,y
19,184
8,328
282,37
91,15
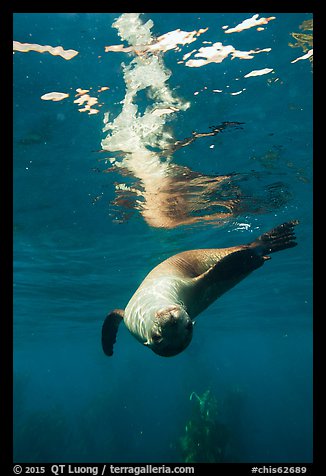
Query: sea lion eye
x,y
189,325
156,337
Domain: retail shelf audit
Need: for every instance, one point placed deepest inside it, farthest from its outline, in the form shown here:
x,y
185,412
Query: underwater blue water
x,y
75,259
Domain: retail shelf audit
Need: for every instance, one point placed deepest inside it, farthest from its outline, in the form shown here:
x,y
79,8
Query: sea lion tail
x,y
110,330
277,239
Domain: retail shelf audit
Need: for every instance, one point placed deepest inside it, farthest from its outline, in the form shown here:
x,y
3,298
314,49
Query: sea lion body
x,y
173,282
161,312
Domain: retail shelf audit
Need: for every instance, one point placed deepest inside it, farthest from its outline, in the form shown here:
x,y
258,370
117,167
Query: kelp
x,y
206,437
304,40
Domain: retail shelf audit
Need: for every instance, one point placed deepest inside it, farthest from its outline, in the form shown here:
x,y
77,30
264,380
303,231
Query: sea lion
x,y
161,312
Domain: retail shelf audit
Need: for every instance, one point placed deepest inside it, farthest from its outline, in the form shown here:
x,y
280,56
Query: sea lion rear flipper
x,y
277,239
110,329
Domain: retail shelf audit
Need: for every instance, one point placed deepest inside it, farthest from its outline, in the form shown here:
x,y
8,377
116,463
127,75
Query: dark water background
x,y
74,260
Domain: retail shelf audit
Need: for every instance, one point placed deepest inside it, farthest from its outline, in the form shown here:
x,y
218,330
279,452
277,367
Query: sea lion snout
x,y
170,315
172,332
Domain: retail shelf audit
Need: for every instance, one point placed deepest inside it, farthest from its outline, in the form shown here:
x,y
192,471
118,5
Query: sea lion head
x,y
171,332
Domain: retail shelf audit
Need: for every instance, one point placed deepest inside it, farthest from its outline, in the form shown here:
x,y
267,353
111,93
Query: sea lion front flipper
x,y
110,329
244,259
277,239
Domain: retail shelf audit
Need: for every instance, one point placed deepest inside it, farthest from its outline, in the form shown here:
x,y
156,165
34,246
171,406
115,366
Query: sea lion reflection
x,y
168,195
182,197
